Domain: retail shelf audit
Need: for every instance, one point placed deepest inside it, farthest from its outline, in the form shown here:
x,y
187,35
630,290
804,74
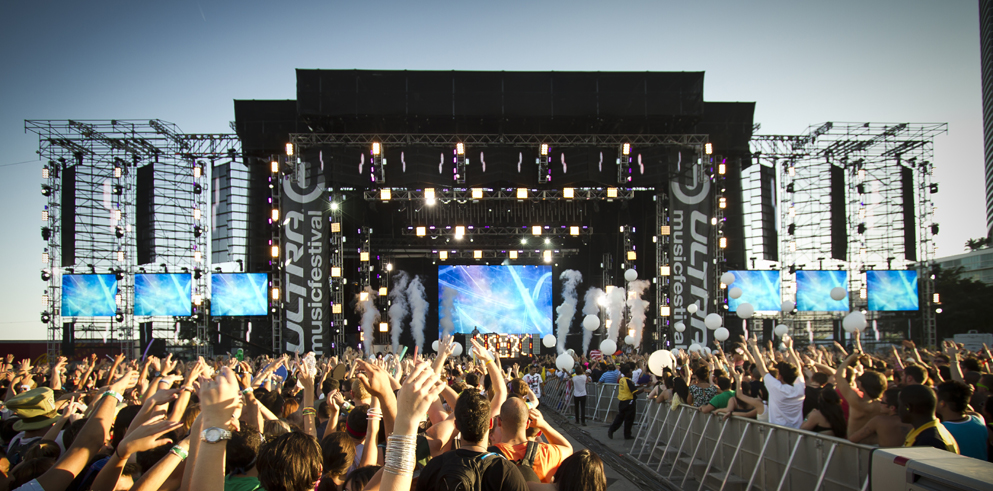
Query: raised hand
x,y
220,403
147,436
420,389
374,378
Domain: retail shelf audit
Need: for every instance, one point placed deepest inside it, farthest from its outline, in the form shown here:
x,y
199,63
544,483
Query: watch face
x,y
212,434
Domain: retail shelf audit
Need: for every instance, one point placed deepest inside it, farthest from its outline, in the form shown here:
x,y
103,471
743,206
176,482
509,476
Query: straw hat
x,y
35,407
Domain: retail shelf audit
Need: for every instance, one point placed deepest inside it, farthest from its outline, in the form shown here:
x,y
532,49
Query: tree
x,y
965,303
976,244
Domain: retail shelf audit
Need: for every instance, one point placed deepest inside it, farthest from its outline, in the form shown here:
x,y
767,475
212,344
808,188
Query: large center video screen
x,y
497,299
813,291
761,289
239,294
892,290
89,295
163,294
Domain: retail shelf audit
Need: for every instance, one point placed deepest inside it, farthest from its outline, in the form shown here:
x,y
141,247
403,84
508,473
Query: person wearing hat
x,y
37,412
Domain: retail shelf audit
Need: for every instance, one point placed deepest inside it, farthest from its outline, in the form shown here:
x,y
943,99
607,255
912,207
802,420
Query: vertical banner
x,y
304,252
692,254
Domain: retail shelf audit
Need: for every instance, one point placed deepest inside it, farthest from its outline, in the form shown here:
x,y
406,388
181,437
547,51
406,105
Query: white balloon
x,y
722,334
746,310
457,349
854,321
782,347
695,347
838,293
548,341
659,361
692,308
716,352
680,327
608,347
735,292
570,351
629,340
713,321
631,275
565,361
434,345
591,322
727,278
781,330
787,306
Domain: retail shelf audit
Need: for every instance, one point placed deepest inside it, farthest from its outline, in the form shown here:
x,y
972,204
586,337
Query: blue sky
x,y
185,61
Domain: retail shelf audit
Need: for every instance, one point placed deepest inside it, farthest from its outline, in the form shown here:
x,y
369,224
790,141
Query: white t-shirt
x,y
785,401
635,375
579,385
534,382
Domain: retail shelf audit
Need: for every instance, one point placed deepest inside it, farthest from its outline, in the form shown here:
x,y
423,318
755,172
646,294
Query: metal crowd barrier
x,y
693,450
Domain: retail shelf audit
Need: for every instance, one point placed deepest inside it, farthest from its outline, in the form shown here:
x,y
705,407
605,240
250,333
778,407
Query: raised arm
x,y
498,384
753,348
953,361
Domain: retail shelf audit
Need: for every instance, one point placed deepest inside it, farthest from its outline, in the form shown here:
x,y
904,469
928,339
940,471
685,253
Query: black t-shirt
x,y
810,396
500,475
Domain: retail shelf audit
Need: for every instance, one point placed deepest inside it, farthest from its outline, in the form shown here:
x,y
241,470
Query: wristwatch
x,y
214,435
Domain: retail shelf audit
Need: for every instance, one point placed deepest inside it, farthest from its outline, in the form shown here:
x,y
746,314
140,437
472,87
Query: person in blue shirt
x,y
611,376
968,429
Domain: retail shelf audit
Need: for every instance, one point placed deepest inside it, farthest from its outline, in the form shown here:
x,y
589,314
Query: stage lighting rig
x,y
624,163
45,275
460,163
378,168
46,190
45,317
46,233
544,161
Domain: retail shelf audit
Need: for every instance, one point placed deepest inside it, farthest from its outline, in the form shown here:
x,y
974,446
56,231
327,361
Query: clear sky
x,y
184,61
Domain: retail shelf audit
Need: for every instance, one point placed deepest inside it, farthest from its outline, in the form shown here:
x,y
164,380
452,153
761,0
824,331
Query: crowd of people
x,y
288,423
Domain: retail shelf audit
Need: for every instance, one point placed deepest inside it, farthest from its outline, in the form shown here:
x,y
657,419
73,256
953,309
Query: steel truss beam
x,y
464,195
403,250
493,139
473,231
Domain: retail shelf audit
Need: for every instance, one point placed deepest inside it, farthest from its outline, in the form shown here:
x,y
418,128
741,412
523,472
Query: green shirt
x,y
720,401
241,484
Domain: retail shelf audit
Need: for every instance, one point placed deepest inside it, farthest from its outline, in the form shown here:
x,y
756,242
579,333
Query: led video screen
x,y
496,299
761,289
89,295
163,294
892,290
239,294
813,291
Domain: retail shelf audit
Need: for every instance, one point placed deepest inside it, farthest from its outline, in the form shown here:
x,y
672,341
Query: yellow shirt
x,y
939,436
623,391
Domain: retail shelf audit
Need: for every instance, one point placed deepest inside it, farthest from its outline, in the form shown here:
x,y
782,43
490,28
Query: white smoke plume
x,y
637,307
615,311
447,308
370,316
418,303
590,307
398,306
567,310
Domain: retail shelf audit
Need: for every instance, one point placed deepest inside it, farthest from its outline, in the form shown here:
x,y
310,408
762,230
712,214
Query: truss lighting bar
x,y
495,139
510,194
460,231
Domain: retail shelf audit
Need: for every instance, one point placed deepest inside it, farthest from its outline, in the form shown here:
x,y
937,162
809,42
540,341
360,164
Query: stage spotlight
x,y
536,230
665,270
197,189
197,256
382,291
118,171
722,203
384,327
512,254
274,166
626,149
791,170
544,149
477,254
45,317
385,194
429,196
119,232
44,215
120,316
522,193
936,298
708,148
421,231
45,275
477,193
611,192
46,190
335,227
665,311
389,266
790,188
547,256
460,148
632,256
364,256
934,229
117,215
120,256
275,294
459,232
665,230
724,242
44,172
375,148
573,230
197,171
119,190
197,273
860,188
197,299
442,255
861,228
336,308
568,193
196,214
721,168
933,187
289,149
335,272
791,229
275,214
334,205
46,233
197,231
274,251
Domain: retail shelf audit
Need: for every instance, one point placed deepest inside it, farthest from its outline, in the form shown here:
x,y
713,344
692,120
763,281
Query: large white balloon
x,y
713,321
735,292
727,278
692,308
457,349
591,322
722,334
854,321
746,310
680,327
781,330
608,347
548,341
659,361
631,275
838,293
695,347
629,340
434,345
787,306
565,361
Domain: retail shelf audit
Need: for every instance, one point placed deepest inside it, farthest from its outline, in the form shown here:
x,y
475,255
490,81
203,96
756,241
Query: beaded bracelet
x,y
179,452
309,411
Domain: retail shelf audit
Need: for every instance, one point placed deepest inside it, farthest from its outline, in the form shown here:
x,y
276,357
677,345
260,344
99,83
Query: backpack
x,y
464,473
525,463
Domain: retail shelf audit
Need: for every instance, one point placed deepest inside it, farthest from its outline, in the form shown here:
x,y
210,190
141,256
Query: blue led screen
x,y
762,289
813,291
239,294
163,294
892,290
498,299
89,295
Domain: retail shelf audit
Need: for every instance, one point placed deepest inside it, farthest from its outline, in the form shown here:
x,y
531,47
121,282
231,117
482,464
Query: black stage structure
x,y
371,172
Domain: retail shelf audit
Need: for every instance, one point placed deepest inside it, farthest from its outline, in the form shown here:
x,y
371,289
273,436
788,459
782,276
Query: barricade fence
x,y
694,450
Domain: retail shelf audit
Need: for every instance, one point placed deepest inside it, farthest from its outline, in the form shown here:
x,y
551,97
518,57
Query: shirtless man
x,y
885,428
867,406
